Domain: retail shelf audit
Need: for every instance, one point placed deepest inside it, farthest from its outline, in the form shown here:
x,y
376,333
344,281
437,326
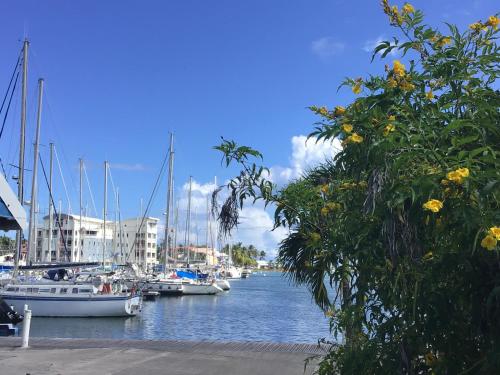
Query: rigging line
x,y
66,251
151,197
51,121
63,181
13,149
10,83
90,189
113,185
8,105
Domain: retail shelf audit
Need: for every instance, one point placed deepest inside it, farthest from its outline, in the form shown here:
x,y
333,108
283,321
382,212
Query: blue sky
x,y
120,75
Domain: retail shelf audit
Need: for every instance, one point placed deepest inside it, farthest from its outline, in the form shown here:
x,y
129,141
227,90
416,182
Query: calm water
x,y
260,308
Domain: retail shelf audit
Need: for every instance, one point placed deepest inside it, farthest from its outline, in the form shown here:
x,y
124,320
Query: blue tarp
x,y
189,274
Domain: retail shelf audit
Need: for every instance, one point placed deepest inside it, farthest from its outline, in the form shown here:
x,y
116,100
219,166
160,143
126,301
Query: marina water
x,y
264,307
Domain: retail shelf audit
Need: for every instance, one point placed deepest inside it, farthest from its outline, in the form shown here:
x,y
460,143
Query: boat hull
x,y
94,306
164,288
223,284
196,289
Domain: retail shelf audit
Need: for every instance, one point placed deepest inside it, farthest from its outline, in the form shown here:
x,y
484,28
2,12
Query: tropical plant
x,y
242,255
403,223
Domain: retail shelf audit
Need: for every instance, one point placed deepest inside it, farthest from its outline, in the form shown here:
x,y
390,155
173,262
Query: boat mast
x,y
169,202
176,228
51,207
20,177
31,249
120,235
188,219
79,249
105,210
208,229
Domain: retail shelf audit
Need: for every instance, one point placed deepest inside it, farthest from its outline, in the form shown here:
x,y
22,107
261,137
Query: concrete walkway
x,y
138,357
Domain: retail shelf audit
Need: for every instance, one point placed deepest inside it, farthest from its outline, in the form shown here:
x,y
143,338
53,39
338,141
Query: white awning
x,y
12,213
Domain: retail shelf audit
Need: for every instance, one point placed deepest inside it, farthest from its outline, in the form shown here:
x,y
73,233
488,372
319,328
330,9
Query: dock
x,y
174,357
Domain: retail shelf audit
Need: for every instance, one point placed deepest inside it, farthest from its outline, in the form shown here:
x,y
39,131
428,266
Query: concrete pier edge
x,y
204,346
72,356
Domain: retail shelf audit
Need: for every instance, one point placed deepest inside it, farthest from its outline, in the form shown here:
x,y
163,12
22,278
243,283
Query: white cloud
x,y
256,227
199,194
327,47
256,222
370,46
306,153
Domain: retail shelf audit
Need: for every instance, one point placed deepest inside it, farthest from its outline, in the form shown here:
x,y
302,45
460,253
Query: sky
x,y
120,75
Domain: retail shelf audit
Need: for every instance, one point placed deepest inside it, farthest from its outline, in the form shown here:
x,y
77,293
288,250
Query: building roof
x,y
77,218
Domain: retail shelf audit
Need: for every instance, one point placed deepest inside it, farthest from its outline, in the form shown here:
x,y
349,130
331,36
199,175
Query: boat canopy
x,y
12,213
189,274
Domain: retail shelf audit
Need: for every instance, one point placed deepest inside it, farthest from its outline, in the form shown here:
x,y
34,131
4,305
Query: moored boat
x,y
223,284
197,288
70,300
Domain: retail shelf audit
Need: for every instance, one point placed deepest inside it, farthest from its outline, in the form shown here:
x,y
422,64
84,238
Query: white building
x,y
88,244
140,240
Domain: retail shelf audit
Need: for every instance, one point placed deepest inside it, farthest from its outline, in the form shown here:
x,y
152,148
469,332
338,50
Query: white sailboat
x,y
60,299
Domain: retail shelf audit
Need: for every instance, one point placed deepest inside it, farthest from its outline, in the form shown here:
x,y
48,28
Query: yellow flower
x,y
356,88
429,95
323,111
458,175
356,138
324,188
388,129
408,8
433,205
324,211
347,128
392,83
489,242
398,68
427,256
395,16
464,172
441,42
339,110
407,86
493,21
477,27
333,206
495,231
392,118
455,177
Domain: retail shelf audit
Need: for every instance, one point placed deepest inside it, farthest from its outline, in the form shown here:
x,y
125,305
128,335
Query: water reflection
x,y
260,308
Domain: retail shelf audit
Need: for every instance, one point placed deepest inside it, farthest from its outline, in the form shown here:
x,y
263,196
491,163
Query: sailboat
x,y
53,298
170,283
